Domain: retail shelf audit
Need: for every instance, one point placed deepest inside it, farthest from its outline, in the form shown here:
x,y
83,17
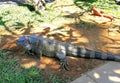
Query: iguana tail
x,y
86,53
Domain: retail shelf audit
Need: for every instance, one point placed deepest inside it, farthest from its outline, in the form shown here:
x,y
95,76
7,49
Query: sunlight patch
x,y
96,75
114,79
117,71
29,64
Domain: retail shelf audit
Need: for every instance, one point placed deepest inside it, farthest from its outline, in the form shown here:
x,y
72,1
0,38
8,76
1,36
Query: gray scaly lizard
x,y
53,48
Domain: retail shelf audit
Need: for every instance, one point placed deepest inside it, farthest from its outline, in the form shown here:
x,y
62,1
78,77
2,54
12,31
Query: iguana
x,y
53,48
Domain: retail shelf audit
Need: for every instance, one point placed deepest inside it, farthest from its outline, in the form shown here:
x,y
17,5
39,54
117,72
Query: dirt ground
x,y
95,37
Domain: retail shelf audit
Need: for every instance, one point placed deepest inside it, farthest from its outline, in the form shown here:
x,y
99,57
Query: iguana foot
x,y
28,52
64,64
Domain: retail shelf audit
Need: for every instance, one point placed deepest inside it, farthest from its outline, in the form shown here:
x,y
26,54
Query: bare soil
x,y
97,37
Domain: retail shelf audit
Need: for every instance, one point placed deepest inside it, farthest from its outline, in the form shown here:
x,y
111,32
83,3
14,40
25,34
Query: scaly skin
x,y
52,48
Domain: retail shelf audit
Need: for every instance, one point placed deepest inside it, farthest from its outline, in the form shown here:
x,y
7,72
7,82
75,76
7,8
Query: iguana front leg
x,y
37,53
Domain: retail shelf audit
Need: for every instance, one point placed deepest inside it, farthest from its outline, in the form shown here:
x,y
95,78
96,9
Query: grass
x,y
17,16
12,72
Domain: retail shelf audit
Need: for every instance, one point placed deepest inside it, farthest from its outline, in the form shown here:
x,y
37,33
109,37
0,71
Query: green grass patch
x,y
17,16
12,72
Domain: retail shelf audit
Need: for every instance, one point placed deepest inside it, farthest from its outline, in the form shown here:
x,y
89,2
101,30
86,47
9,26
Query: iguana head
x,y
23,41
28,42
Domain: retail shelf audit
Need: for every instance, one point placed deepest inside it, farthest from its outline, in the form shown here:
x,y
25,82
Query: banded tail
x,y
86,53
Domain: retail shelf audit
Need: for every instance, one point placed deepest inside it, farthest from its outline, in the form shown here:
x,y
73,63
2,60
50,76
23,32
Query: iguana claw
x,y
64,64
28,52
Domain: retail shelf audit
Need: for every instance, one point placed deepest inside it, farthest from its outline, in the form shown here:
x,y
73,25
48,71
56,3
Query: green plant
x,y
10,17
55,79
